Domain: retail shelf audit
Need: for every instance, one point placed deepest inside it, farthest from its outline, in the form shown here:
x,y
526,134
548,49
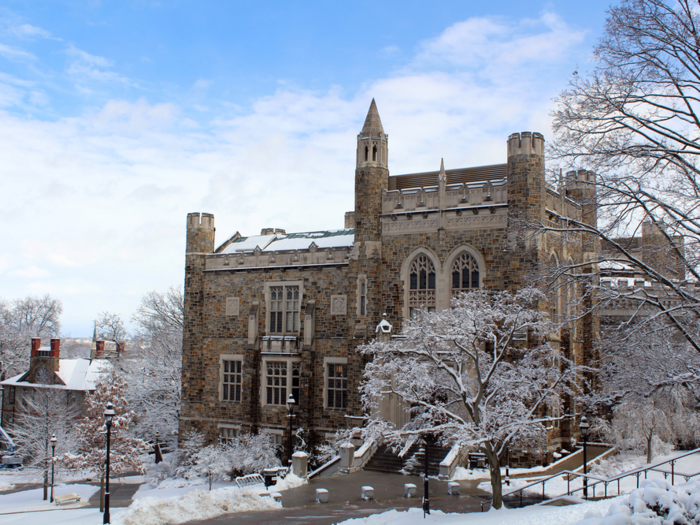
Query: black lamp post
x,y
584,426
290,407
53,453
507,466
159,456
426,488
2,404
109,415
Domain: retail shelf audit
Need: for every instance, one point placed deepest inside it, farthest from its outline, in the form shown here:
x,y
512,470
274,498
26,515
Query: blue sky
x,y
118,118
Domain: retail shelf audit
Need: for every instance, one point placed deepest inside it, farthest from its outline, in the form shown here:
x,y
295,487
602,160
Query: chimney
x,y
55,348
36,344
99,349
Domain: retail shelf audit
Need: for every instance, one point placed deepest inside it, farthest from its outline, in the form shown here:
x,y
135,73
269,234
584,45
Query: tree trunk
x,y
650,455
496,481
102,493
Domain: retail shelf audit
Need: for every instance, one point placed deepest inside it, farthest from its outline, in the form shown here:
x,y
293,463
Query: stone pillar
x,y
300,464
347,456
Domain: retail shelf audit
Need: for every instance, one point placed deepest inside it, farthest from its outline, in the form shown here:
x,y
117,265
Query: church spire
x,y
373,122
372,142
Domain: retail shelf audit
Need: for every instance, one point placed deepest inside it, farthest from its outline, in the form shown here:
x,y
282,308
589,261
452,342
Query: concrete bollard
x,y
409,490
347,455
367,493
321,496
453,488
300,464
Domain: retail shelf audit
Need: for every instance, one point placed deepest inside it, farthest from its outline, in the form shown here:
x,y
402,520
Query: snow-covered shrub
x,y
250,453
656,502
187,449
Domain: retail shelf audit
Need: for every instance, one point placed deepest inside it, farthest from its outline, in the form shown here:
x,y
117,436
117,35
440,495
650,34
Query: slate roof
x,y
293,241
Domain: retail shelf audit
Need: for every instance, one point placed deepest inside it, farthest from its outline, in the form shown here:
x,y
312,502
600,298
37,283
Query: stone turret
x,y
200,233
526,185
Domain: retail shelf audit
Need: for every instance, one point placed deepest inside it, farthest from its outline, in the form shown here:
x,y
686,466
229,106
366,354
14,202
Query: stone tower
x,y
200,243
371,181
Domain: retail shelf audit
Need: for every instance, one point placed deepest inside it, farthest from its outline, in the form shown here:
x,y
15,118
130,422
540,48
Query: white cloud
x,y
99,200
15,53
28,31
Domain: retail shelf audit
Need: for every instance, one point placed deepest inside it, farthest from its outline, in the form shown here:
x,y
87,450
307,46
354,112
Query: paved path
x,y
345,501
120,495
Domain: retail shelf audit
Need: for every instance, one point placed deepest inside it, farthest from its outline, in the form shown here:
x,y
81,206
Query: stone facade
x,y
468,228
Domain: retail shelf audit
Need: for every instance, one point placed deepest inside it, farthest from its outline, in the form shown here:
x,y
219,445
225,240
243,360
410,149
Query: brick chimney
x,y
99,349
55,348
36,344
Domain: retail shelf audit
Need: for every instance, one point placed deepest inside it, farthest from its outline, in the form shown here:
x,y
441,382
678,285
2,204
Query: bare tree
x,y
634,121
155,373
20,320
42,413
110,327
471,377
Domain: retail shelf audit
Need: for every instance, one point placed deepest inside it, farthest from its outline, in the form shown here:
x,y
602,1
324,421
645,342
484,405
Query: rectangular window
x,y
232,380
281,379
227,435
284,309
11,395
337,385
363,297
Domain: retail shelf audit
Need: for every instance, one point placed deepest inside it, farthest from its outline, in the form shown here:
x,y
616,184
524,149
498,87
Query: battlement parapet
x,y
200,220
526,143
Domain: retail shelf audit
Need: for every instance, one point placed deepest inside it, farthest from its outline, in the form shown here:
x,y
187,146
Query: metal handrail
x,y
606,481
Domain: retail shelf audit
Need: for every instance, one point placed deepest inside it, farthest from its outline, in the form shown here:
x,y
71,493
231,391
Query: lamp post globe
x,y
53,441
290,407
109,416
585,426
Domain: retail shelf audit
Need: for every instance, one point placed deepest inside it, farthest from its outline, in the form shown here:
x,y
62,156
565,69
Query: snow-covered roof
x,y
293,241
614,265
76,374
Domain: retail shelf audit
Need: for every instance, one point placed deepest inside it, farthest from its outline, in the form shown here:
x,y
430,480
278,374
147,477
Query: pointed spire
x,y
373,122
443,175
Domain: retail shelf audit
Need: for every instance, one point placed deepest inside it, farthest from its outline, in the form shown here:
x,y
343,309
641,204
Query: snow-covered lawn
x,y
535,515
607,468
31,500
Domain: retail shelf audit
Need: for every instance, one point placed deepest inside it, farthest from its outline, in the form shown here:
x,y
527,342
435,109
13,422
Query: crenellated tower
x,y
200,242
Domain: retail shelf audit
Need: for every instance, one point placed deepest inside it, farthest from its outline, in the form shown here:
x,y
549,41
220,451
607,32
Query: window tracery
x,y
421,289
465,273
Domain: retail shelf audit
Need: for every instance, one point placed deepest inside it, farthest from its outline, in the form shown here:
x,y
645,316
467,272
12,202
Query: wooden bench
x,y
66,498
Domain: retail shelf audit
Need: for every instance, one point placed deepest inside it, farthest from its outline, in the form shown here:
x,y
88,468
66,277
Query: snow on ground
x,y
32,500
462,473
195,505
56,517
534,515
607,468
6,486
35,475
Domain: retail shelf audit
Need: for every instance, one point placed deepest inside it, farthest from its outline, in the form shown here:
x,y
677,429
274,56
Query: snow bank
x,y
655,502
289,482
195,505
32,500
6,486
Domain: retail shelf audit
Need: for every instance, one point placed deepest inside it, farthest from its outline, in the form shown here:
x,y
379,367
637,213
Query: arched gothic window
x,y
374,153
465,273
366,153
421,289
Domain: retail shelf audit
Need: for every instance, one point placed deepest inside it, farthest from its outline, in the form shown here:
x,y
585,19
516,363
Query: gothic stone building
x,y
272,314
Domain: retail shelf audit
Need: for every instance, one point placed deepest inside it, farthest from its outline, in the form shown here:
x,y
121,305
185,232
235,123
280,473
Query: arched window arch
x,y
421,284
465,273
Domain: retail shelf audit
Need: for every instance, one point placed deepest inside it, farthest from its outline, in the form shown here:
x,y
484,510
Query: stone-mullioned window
x,y
284,309
421,289
337,385
279,377
232,380
465,273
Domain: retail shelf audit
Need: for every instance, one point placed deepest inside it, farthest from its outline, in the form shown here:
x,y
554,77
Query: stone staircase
x,y
413,462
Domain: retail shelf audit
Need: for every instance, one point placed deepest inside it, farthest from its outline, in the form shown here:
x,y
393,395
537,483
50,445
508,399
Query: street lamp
x,y
159,456
426,489
2,404
53,453
290,407
507,466
584,426
109,415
